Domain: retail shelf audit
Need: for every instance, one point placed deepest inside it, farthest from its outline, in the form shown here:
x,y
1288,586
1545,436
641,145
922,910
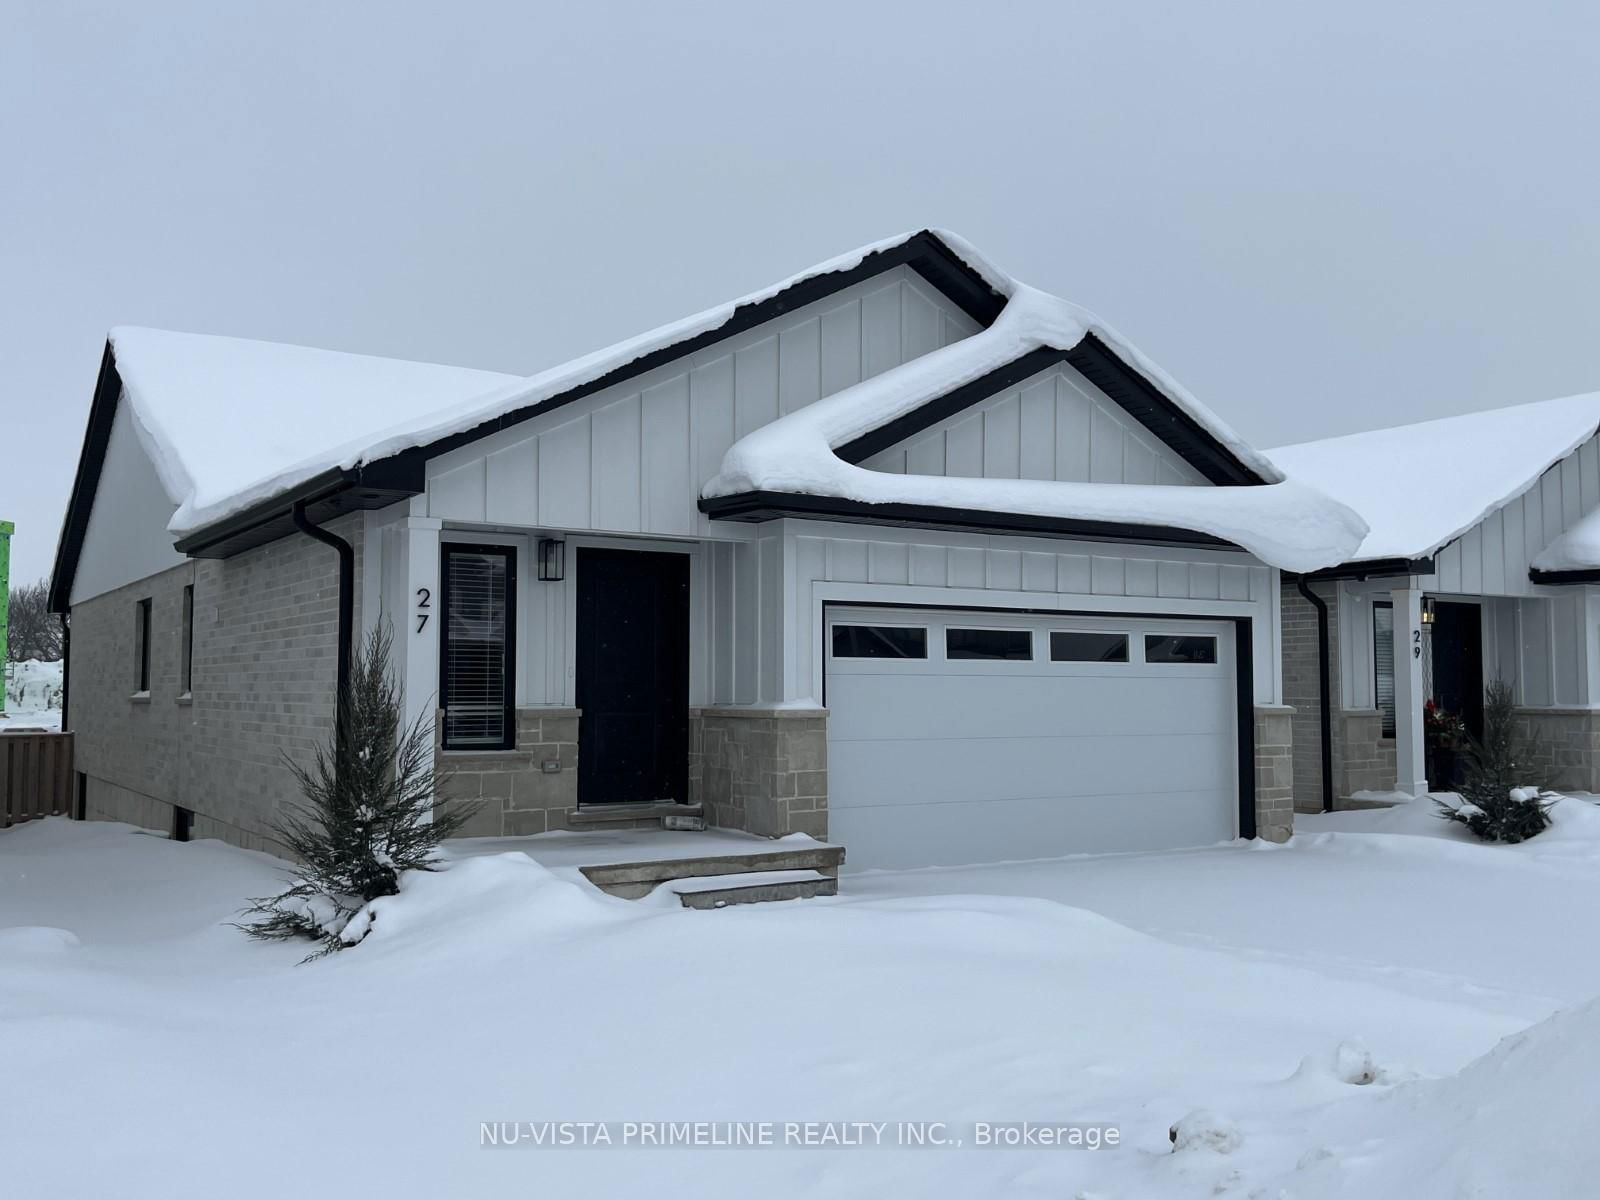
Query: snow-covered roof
x,y
1578,549
1421,486
1283,523
310,410
232,423
229,421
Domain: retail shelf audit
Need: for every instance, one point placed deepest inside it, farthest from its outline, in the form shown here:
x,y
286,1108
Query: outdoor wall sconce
x,y
551,554
1427,610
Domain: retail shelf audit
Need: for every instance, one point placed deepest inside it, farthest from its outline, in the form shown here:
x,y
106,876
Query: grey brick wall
x,y
1302,689
761,770
1366,761
265,645
1274,773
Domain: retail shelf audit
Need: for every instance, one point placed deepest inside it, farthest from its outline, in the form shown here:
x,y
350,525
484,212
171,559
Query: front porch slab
x,y
632,862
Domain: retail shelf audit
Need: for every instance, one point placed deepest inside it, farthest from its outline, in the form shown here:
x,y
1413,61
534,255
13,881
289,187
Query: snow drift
x,y
1519,1121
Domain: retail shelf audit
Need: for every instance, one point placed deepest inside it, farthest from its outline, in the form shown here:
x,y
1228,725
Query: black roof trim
x,y
102,412
1157,412
1374,568
769,506
924,252
326,496
1577,575
1104,368
947,405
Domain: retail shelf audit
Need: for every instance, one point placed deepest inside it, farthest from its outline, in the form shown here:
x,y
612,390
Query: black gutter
x,y
332,493
769,506
1324,689
1376,568
347,609
66,671
1579,575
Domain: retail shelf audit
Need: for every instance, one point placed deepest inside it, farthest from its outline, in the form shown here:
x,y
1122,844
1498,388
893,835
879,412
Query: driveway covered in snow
x,y
1304,998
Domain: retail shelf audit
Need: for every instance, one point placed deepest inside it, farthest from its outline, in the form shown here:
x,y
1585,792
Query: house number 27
x,y
424,600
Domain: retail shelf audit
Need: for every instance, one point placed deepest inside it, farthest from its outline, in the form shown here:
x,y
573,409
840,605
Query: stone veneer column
x,y
763,770
1275,773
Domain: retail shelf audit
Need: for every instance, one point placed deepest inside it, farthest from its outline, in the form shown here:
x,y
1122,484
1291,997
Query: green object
x,y
6,530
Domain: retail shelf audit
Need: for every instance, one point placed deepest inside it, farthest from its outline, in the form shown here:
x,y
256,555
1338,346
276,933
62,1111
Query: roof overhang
x,y
1580,575
97,436
1374,568
404,474
770,506
331,494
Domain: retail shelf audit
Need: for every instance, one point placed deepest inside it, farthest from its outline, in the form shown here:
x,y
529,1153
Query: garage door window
x,y
879,641
1008,645
1179,648
1073,646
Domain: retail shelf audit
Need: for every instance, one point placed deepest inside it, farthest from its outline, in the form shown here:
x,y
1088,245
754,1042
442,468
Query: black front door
x,y
1458,662
633,677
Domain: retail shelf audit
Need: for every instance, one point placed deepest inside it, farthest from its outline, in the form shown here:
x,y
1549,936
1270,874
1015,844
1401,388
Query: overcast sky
x,y
1322,220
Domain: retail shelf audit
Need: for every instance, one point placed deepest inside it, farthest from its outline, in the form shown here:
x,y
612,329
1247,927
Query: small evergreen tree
x,y
1498,800
368,795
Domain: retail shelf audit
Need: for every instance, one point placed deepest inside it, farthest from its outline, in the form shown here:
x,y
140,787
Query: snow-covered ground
x,y
149,1050
33,695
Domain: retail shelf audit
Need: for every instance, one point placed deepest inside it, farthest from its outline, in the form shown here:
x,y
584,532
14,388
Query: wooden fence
x,y
35,776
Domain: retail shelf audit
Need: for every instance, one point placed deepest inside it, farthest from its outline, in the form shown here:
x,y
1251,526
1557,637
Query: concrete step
x,y
631,880
751,887
629,814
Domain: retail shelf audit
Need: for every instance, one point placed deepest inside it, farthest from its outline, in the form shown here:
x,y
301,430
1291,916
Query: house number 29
x,y
424,599
1416,643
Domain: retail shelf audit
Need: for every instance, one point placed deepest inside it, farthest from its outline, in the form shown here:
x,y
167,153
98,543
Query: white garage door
x,y
959,737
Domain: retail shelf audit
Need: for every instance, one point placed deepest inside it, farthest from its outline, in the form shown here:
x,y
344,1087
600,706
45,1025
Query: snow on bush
x,y
1495,803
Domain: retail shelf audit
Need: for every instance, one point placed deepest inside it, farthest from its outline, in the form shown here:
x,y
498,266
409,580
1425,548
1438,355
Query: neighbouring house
x,y
1481,563
899,553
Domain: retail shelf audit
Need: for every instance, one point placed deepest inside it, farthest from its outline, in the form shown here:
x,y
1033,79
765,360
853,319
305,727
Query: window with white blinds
x,y
478,666
1383,664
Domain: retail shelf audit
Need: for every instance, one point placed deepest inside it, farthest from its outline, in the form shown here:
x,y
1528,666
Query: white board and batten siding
x,y
1492,558
1054,425
767,595
632,458
1541,640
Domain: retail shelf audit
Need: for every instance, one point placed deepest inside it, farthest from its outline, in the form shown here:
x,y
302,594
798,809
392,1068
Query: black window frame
x,y
508,739
1389,713
1125,639
1214,660
834,629
141,646
965,656
186,664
